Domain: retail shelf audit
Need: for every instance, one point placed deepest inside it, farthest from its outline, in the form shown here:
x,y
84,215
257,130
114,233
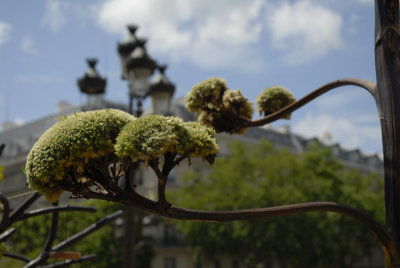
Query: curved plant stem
x,y
43,211
369,86
49,241
67,263
6,234
384,238
21,209
15,256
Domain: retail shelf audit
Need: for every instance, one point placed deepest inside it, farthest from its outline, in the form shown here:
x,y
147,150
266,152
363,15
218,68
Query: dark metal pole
x,y
129,234
129,215
387,97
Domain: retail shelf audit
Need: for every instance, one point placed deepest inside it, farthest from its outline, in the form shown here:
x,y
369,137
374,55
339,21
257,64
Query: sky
x,y
252,44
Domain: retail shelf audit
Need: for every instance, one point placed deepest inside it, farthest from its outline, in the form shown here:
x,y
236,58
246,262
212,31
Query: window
x,y
170,262
169,236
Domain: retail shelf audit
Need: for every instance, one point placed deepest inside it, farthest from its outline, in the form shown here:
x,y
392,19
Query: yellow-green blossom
x,y
238,104
206,95
150,137
274,99
68,146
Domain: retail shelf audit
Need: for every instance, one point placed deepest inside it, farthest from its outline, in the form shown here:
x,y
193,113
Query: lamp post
x,y
137,67
161,91
92,83
126,47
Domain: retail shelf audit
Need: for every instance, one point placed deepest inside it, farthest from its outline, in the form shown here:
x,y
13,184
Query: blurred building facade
x,y
170,249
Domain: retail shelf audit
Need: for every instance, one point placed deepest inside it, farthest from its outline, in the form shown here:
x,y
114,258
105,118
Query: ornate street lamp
x,y
161,92
137,67
92,83
126,47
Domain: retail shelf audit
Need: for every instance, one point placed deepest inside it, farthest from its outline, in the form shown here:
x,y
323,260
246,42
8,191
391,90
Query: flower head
x,y
69,145
150,137
206,95
274,99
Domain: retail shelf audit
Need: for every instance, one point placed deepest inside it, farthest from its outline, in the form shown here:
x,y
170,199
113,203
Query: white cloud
x,y
228,33
5,32
54,17
304,31
27,45
19,121
356,132
209,33
342,98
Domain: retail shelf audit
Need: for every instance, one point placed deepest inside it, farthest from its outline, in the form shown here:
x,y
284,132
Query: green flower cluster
x,y
274,99
64,152
206,95
211,98
152,136
69,145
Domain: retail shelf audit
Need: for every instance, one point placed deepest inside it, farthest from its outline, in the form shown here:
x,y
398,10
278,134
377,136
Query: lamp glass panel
x,y
138,85
142,72
161,102
123,66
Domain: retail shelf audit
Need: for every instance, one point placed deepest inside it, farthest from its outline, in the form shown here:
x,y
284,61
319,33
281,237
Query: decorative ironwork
x,y
49,250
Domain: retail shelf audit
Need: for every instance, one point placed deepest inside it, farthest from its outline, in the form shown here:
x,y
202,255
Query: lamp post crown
x,y
92,62
130,42
161,83
162,68
139,59
132,28
92,82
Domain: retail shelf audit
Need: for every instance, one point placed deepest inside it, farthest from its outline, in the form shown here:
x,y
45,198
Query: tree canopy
x,y
96,148
265,176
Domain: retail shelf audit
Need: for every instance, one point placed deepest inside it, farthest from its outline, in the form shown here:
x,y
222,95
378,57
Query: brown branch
x,y
179,159
67,263
15,256
161,183
384,238
369,86
6,234
43,211
49,240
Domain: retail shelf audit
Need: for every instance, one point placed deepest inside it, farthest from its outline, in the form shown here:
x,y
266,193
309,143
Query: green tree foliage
x,y
265,176
31,234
